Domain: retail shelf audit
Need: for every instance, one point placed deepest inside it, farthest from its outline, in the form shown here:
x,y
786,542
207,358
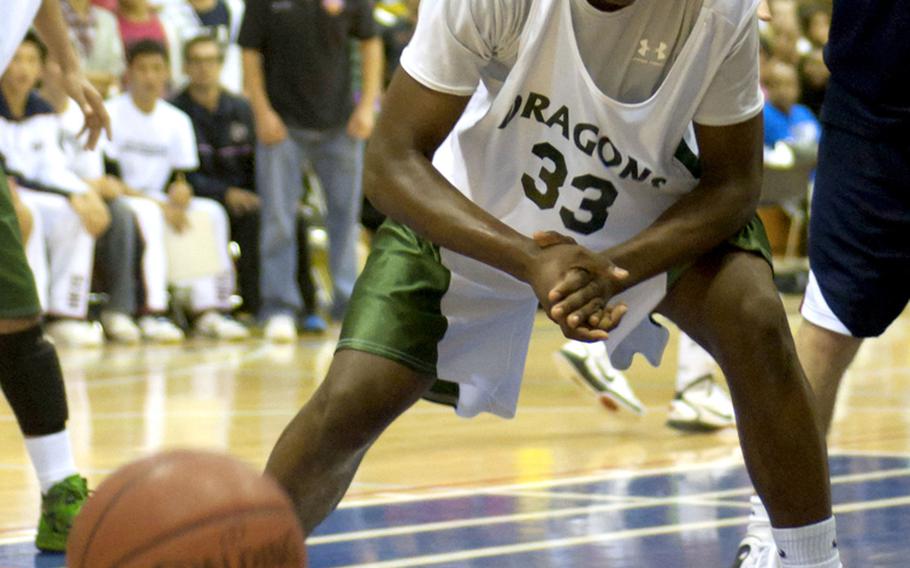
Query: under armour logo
x,y
645,49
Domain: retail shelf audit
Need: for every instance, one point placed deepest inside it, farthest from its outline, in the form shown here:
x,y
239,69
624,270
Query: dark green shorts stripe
x,y
18,297
395,308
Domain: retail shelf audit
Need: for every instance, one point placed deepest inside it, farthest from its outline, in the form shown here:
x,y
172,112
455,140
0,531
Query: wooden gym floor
x,y
564,484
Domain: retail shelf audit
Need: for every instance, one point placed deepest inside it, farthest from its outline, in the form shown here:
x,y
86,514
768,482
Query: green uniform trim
x,y
18,296
688,158
395,310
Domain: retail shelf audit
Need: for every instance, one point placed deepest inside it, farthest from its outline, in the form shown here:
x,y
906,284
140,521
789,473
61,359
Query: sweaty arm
x,y
400,180
722,203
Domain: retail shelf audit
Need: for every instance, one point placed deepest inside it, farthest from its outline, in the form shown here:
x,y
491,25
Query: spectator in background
x,y
297,73
96,37
785,119
219,19
138,21
116,251
153,149
813,80
816,24
65,212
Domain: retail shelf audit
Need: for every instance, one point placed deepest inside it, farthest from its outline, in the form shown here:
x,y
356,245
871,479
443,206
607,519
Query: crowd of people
x,y
220,113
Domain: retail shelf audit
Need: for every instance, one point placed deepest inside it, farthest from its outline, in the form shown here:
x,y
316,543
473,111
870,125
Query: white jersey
x,y
18,16
149,147
542,147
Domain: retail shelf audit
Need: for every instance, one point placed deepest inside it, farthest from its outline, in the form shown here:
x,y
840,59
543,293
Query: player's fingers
x,y
573,280
586,334
576,300
612,317
579,318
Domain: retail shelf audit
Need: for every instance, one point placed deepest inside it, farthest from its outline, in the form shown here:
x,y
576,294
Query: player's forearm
x,y
52,28
371,67
700,221
254,81
405,186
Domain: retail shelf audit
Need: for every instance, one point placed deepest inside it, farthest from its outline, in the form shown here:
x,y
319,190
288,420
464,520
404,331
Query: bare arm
x,y
52,29
270,129
372,60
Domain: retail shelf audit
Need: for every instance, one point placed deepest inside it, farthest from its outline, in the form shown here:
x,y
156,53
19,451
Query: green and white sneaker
x,y
589,366
59,507
703,406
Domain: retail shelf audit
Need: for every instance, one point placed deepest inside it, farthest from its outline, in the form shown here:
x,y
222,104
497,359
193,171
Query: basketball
x,y
186,508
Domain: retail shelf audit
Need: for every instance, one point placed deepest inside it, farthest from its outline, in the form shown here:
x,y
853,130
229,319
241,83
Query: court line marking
x,y
612,475
504,550
710,498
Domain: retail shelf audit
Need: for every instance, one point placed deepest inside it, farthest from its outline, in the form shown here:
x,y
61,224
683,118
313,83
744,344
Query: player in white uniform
x,y
153,147
582,117
30,373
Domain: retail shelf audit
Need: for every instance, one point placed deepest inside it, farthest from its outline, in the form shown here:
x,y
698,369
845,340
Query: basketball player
x,y
859,251
29,370
578,117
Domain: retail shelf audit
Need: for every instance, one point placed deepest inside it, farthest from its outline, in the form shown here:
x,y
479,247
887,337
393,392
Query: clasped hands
x,y
576,287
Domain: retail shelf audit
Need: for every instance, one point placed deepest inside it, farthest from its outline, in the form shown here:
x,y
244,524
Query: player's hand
x,y
241,201
90,103
361,123
175,217
270,129
179,193
92,212
580,300
764,11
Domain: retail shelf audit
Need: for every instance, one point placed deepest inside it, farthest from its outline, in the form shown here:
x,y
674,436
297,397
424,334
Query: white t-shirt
x,y
87,164
150,147
18,16
628,52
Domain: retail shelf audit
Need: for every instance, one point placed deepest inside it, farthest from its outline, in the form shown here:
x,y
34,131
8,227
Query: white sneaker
x,y
120,328
281,329
76,333
218,326
703,406
592,370
160,330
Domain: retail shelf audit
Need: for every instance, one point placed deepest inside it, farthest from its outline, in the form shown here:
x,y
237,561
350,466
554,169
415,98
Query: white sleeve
x,y
54,170
184,155
456,39
735,92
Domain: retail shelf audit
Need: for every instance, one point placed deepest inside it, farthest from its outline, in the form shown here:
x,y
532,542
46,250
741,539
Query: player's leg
x,y
387,358
318,453
700,404
210,296
32,383
727,302
338,161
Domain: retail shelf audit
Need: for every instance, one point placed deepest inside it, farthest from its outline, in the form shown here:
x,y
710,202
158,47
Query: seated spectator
x,y
816,24
116,252
138,21
65,213
153,149
96,36
785,119
813,80
219,19
225,136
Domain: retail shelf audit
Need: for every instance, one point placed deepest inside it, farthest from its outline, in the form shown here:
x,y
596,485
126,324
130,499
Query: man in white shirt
x,y
67,213
634,127
152,148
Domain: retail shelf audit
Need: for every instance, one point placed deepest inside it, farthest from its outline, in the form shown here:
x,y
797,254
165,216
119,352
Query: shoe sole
x,y
697,425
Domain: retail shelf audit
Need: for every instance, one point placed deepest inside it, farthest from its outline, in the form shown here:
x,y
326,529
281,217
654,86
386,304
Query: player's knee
x,y
32,382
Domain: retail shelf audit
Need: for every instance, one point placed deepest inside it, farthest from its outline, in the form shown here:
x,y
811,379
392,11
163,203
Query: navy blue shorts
x,y
859,230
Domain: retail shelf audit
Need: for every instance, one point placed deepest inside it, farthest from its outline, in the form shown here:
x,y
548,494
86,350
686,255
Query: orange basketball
x,y
186,508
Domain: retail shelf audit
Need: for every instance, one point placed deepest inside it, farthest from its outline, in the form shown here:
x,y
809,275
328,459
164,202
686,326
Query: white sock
x,y
758,514
693,362
812,546
52,457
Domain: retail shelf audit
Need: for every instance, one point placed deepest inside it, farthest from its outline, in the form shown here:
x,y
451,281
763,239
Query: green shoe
x,y
58,509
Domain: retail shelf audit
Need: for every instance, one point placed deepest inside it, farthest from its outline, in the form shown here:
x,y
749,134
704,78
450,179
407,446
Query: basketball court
x,y
565,484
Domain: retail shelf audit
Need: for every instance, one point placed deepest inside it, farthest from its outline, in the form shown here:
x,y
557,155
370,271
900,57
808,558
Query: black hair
x,y
201,38
145,47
